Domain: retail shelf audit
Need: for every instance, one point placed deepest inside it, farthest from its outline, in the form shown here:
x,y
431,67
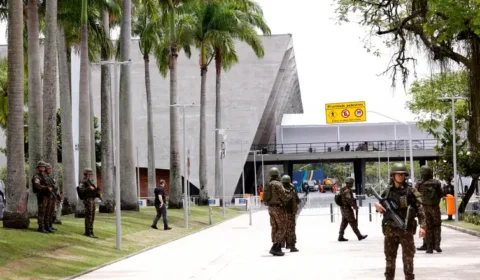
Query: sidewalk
x,y
235,250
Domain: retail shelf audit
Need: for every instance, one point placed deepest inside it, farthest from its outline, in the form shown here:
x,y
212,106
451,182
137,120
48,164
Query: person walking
x,y
348,217
160,206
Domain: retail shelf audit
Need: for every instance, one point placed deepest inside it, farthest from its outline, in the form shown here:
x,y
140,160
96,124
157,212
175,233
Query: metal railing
x,y
351,146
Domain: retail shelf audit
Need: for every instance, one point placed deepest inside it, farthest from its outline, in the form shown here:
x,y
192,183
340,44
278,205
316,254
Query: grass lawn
x,y
27,254
463,225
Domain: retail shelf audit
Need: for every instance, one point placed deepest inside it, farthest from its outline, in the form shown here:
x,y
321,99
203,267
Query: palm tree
x,y
172,9
245,16
84,104
50,87
15,213
147,25
35,102
68,180
127,162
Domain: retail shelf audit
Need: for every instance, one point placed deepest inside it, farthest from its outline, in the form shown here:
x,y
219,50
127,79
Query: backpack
x,y
338,198
81,193
267,193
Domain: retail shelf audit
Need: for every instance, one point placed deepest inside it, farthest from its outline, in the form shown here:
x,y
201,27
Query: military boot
x,y
293,249
438,249
48,230
42,230
341,238
92,235
429,250
361,237
272,250
278,250
422,248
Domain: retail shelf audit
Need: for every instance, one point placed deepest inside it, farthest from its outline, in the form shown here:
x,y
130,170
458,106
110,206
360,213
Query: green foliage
x,y
4,92
472,218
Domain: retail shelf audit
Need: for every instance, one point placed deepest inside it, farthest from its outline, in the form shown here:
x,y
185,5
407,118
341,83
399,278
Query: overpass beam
x,y
360,175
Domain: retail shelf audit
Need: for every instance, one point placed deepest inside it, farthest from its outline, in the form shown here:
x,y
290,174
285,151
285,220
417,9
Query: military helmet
x,y
41,163
349,180
425,171
399,168
286,179
87,171
274,172
47,165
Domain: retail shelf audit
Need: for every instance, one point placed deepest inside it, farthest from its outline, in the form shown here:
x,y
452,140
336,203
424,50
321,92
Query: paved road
x,y
235,250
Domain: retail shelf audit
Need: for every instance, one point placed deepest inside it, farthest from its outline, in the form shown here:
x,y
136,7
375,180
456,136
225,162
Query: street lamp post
x,y
454,138
412,174
185,192
118,213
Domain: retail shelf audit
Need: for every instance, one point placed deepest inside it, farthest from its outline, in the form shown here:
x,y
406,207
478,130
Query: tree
x,y
446,30
16,212
35,102
435,118
148,26
172,9
127,159
237,20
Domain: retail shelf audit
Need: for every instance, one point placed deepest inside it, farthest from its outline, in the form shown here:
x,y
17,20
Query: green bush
x,y
471,218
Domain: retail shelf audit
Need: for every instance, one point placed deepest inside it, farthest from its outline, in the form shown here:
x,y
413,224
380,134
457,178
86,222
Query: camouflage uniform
x,y
431,191
276,211
89,202
404,197
291,208
41,189
348,217
50,208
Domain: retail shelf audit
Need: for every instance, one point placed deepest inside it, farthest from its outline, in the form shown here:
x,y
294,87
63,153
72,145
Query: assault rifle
x,y
50,182
390,208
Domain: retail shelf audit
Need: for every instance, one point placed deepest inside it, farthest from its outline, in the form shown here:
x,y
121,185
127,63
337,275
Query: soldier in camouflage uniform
x,y
50,211
42,190
348,217
276,211
291,208
432,193
90,193
409,202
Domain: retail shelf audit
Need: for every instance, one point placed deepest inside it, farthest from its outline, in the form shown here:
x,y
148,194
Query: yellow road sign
x,y
346,112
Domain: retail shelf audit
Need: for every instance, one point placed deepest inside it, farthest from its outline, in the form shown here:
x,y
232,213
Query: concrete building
x,y
255,94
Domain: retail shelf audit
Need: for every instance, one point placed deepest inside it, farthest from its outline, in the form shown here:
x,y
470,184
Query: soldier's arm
x,y
439,189
420,209
282,195
347,197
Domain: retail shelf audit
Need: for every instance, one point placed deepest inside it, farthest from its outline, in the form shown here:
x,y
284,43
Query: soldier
x,y
89,192
42,190
432,193
348,217
291,208
50,211
275,197
409,203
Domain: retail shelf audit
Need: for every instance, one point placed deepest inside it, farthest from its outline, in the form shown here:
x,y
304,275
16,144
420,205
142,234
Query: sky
x,y
333,65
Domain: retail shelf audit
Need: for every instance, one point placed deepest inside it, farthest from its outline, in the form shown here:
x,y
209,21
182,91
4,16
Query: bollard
x,y
250,212
331,212
210,214
370,211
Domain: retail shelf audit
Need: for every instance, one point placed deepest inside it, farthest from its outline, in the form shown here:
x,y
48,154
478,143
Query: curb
x,y
144,250
464,230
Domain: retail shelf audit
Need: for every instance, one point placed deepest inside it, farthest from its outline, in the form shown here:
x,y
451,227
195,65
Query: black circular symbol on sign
x,y
345,113
359,113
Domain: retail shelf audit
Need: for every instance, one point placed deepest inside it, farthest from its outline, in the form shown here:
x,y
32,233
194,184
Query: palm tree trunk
x,y
85,159
108,203
50,145
69,190
127,158
35,103
151,143
218,121
15,214
175,191
203,134
92,127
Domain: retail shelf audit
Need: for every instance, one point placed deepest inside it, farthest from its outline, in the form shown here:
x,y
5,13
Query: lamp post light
x,y
116,93
185,190
454,138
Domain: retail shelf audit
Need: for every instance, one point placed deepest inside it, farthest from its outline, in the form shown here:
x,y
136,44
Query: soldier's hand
x,y
421,233
49,188
380,208
91,188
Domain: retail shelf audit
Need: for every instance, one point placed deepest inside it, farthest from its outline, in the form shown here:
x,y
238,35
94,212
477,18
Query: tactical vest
x,y
401,198
430,192
42,183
